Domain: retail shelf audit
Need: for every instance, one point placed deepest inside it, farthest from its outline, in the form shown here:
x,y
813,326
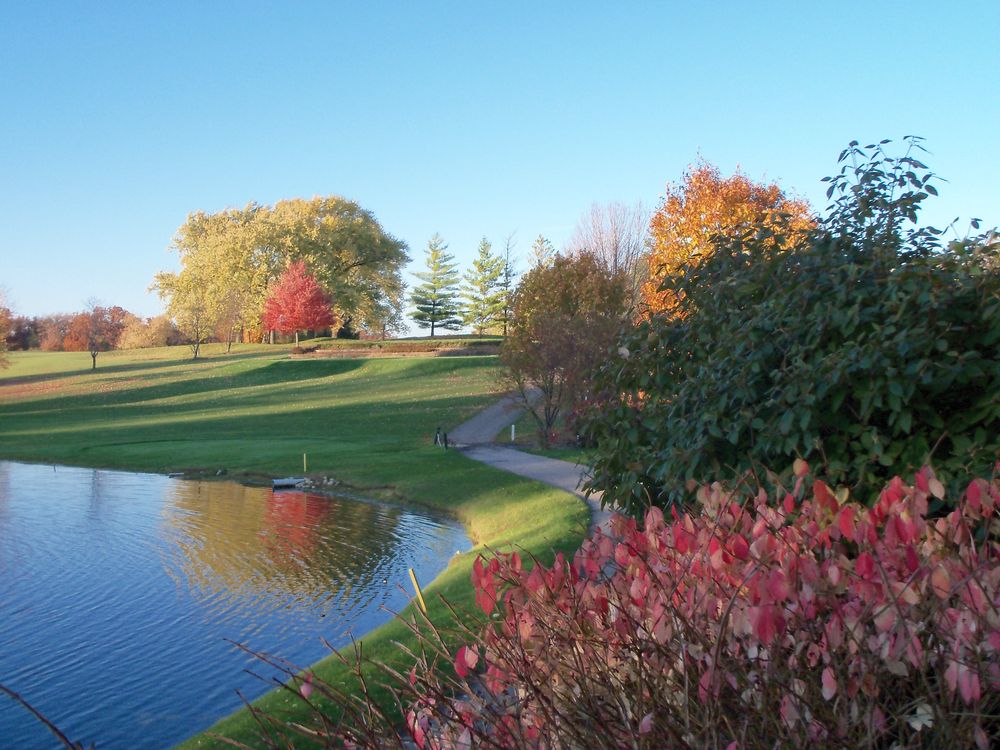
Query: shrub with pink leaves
x,y
761,620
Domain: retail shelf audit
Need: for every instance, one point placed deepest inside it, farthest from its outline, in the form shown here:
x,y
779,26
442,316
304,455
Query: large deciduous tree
x,y
705,205
565,318
483,291
235,255
190,305
297,303
95,330
141,334
435,300
53,330
617,235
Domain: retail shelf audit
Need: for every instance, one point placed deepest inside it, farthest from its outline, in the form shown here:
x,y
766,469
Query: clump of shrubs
x,y
868,346
781,618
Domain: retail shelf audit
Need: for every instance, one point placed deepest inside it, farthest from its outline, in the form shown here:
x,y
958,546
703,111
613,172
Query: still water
x,y
120,592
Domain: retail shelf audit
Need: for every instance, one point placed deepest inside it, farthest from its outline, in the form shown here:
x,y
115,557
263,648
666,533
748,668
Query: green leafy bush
x,y
868,348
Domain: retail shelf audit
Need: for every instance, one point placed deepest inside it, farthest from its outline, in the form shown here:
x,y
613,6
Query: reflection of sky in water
x,y
118,593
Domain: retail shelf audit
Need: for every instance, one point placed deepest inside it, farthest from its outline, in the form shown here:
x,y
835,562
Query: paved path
x,y
475,439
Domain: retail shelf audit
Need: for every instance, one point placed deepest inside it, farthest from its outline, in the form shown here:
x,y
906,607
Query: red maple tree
x,y
297,303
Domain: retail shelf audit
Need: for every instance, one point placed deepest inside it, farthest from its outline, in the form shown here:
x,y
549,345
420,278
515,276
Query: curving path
x,y
475,439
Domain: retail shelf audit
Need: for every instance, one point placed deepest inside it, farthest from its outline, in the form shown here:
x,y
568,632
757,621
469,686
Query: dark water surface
x,y
118,592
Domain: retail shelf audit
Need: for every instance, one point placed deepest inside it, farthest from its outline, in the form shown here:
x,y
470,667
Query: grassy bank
x,y
253,413
526,439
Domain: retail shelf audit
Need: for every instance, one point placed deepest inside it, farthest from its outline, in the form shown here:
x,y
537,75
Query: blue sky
x,y
467,119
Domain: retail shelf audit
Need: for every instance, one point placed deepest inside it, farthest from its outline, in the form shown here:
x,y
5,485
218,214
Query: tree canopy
x,y
95,330
868,348
435,300
565,317
703,206
297,302
234,256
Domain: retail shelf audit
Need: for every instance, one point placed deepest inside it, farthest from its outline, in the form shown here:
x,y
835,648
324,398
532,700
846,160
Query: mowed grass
x,y
254,412
526,439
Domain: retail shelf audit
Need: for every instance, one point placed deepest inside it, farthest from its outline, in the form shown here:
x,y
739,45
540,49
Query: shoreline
x,y
366,422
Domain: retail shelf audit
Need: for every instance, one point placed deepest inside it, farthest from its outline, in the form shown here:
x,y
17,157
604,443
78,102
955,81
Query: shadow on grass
x,y
281,372
135,367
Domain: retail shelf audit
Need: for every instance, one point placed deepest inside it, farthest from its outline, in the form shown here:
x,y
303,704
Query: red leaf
x,y
465,660
846,521
864,566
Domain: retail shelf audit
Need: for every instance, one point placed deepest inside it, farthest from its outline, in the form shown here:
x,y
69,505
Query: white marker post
x,y
512,433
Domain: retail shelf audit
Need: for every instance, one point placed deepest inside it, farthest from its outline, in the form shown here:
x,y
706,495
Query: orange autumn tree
x,y
704,205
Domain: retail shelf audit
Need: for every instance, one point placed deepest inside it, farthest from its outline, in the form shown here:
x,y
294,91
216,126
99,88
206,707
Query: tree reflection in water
x,y
247,546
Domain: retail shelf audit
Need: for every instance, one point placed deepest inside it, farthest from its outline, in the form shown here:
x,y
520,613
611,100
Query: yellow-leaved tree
x,y
705,205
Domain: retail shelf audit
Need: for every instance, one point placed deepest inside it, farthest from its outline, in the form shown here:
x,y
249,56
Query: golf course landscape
x,y
252,414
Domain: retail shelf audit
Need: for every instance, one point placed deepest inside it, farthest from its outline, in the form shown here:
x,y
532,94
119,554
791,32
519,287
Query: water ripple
x,y
118,592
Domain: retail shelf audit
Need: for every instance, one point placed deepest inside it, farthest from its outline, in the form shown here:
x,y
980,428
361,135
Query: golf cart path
x,y
475,439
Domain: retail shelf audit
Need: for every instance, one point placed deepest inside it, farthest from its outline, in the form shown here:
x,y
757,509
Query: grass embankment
x,y
367,422
526,439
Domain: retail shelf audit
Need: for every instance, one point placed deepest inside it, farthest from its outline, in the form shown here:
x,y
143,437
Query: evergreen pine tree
x,y
507,277
483,292
542,253
435,300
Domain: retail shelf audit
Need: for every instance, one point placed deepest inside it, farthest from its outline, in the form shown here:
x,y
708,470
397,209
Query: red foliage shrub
x,y
799,620
761,620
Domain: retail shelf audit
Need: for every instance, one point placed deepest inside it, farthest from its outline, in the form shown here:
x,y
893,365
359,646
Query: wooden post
x,y
416,587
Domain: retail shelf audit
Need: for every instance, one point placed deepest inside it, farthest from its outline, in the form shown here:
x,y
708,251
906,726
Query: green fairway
x,y
254,412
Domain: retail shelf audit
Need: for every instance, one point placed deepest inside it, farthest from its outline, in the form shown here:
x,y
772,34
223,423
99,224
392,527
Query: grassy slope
x,y
366,422
526,439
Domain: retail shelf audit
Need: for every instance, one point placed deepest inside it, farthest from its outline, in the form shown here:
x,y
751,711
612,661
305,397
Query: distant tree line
x,y
67,332
613,236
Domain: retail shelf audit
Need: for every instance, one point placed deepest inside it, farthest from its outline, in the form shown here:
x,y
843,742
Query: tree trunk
x,y
296,338
93,356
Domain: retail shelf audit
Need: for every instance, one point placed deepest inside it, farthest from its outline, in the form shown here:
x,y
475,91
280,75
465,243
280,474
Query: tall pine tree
x,y
507,277
542,253
483,292
436,299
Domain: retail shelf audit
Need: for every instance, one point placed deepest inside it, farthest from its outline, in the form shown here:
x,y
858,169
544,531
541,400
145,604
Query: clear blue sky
x,y
467,118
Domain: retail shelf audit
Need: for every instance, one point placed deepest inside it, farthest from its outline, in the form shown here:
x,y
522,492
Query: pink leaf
x,y
829,683
968,685
646,725
465,660
951,676
941,582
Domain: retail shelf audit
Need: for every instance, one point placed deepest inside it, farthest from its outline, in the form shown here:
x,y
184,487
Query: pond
x,y
121,594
